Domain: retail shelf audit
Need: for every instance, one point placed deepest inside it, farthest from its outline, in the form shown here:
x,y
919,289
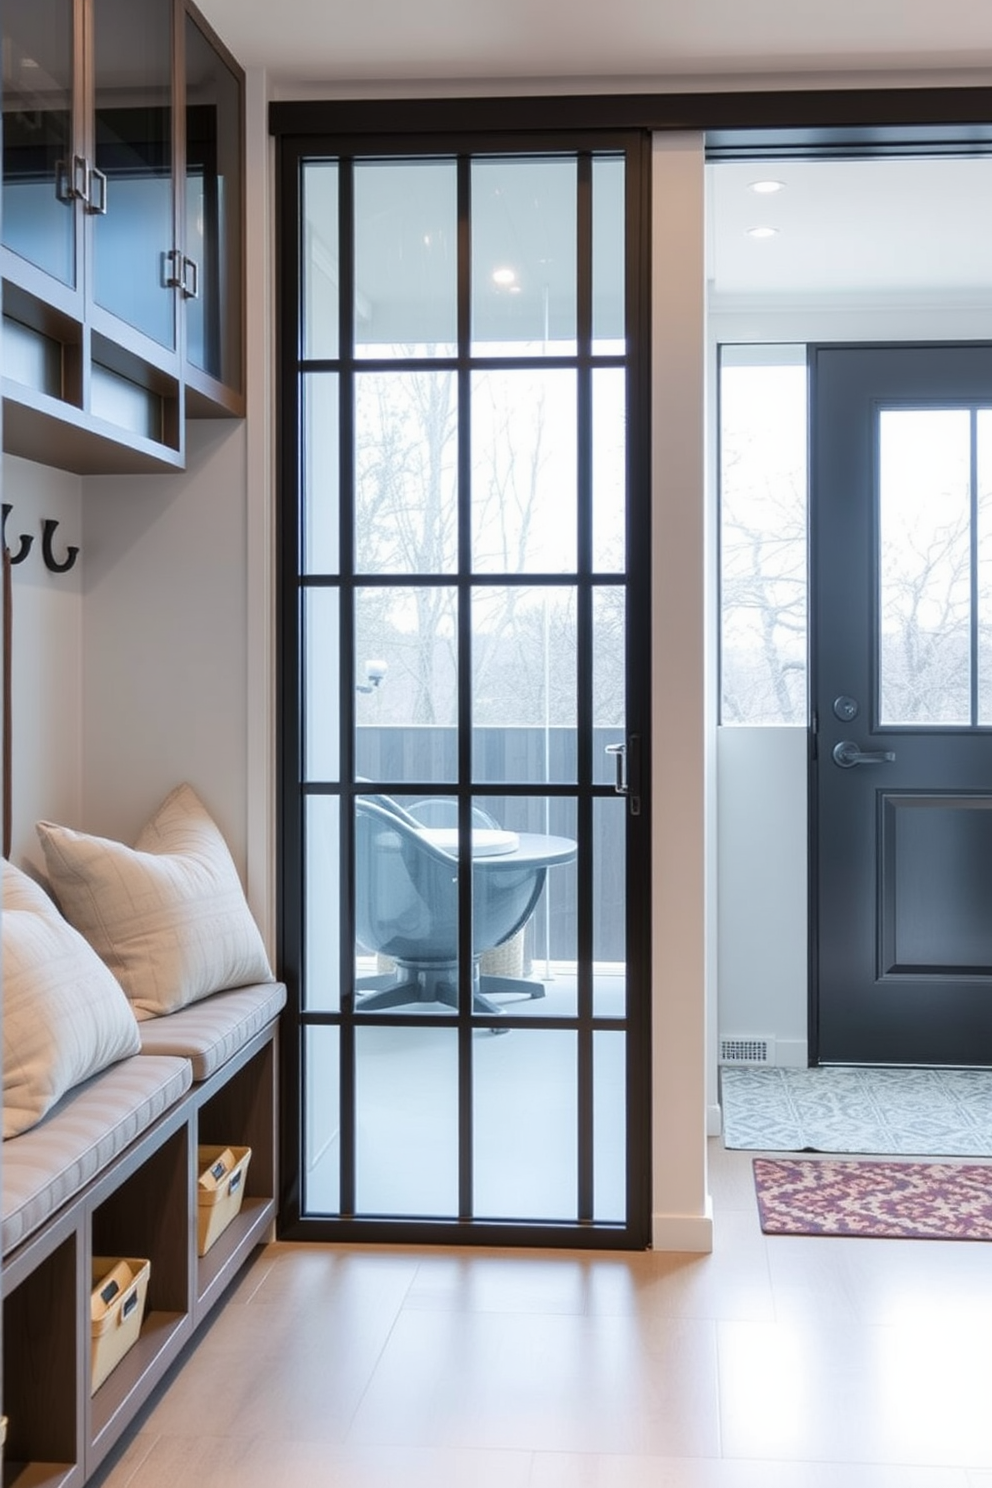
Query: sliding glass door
x,y
464,691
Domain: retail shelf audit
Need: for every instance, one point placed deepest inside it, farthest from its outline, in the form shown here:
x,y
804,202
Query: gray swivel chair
x,y
406,907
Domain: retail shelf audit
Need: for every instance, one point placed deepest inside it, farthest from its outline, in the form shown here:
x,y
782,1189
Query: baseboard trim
x,y
714,1121
792,1053
690,1232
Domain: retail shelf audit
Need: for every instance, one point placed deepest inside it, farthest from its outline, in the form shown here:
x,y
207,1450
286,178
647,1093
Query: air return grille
x,y
747,1051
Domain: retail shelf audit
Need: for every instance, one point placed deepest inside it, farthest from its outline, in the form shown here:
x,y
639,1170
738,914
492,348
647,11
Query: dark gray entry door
x,y
901,787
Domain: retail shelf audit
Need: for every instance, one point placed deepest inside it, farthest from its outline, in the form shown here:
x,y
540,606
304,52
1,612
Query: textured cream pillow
x,y
168,916
64,1016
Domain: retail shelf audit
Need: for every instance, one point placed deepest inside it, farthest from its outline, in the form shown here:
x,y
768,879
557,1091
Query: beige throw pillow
x,y
167,916
64,1016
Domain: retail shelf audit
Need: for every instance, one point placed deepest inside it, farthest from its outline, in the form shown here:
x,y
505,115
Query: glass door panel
x,y
460,537
39,216
133,195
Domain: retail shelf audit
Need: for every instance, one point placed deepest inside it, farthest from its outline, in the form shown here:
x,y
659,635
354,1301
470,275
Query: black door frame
x,y
634,1232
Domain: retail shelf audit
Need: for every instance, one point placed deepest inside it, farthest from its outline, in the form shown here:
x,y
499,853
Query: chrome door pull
x,y
847,755
619,752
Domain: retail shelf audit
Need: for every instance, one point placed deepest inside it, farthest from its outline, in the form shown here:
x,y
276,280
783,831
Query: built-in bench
x,y
112,1170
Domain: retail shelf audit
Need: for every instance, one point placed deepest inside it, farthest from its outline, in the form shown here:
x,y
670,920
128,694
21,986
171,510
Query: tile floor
x,y
772,1363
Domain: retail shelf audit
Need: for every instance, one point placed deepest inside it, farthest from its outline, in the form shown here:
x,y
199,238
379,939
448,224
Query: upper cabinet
x,y
123,243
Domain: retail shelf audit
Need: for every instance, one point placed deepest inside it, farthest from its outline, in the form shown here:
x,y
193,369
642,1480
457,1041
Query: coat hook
x,y
26,539
48,527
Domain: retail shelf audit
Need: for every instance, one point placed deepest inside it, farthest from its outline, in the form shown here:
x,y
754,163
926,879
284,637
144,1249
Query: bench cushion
x,y
45,1166
211,1032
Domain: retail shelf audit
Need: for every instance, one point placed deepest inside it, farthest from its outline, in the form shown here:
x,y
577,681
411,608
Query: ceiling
x,y
383,42
844,227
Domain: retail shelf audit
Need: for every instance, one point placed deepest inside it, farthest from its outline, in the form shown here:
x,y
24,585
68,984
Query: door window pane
x,y
610,1127
609,889
322,1121
524,683
319,463
406,908
983,555
320,259
524,257
609,469
322,680
38,215
406,242
132,48
524,484
406,676
924,500
524,1125
523,906
406,515
608,244
321,926
763,585
406,1115
609,689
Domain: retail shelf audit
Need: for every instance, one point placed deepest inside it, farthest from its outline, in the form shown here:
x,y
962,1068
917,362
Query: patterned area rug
x,y
905,1201
890,1112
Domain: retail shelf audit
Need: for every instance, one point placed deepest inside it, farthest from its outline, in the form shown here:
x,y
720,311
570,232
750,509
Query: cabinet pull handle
x,y
96,204
191,279
171,261
71,182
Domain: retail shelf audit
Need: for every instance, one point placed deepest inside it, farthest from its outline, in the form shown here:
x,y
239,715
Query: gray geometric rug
x,y
898,1112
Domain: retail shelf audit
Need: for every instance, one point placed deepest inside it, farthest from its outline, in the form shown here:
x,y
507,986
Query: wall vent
x,y
747,1051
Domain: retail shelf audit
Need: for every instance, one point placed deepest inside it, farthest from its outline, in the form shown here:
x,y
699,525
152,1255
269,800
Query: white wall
x,y
761,887
165,659
46,636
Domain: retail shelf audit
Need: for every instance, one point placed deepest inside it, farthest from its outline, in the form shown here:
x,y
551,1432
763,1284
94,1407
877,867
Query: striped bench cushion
x,y
44,1167
210,1032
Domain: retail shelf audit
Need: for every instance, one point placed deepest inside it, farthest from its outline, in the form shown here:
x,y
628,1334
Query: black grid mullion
x,y
346,622
465,935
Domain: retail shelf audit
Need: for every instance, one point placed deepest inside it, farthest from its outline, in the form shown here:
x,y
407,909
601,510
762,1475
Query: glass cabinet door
x,y
39,214
132,197
212,269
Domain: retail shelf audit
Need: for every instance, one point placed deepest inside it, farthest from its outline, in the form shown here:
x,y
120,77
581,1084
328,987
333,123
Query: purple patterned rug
x,y
893,1200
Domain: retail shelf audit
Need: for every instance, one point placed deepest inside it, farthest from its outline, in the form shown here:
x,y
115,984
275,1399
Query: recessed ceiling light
x,y
767,188
504,277
761,232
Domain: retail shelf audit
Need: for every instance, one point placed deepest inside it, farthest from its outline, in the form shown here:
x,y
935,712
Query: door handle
x,y
628,763
847,755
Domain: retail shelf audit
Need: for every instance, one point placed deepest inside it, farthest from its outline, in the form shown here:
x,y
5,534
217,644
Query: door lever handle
x,y
847,755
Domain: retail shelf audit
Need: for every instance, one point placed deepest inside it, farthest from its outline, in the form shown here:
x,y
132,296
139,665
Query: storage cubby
x,y
144,1217
241,1114
42,1338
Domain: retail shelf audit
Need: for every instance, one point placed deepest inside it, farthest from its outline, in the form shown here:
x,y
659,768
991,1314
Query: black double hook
x,y
48,526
